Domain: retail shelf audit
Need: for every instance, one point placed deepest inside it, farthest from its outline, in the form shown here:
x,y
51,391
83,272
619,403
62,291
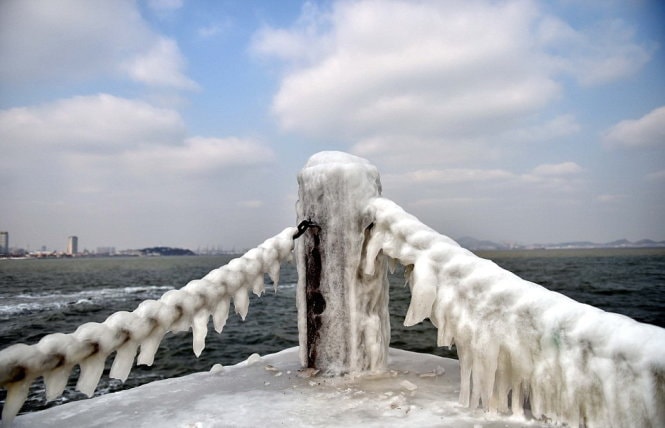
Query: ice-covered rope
x,y
519,342
54,356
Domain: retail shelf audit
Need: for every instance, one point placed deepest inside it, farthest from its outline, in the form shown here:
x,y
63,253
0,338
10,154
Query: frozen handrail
x,y
518,341
54,356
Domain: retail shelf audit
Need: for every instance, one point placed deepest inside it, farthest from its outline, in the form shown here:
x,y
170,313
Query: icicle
x,y
220,314
17,393
91,371
19,366
149,346
56,381
372,251
423,292
134,330
270,264
273,273
408,278
63,349
258,285
199,330
99,339
159,317
241,302
123,361
392,264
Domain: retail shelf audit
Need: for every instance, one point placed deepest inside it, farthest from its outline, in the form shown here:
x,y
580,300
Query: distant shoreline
x,y
483,252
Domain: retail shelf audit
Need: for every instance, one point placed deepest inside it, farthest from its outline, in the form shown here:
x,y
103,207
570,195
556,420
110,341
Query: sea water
x,y
38,297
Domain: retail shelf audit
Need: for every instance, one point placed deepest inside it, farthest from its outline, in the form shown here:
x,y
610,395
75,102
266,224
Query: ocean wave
x,y
48,301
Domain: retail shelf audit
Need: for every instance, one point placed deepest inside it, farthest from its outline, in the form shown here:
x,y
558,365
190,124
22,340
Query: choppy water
x,y
38,297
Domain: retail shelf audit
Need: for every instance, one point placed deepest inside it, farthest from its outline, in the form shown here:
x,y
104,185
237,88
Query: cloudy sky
x,y
185,123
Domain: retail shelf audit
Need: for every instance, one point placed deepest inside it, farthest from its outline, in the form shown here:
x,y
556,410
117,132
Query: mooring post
x,y
343,320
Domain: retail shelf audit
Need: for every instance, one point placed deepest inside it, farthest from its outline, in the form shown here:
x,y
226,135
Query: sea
x,y
42,296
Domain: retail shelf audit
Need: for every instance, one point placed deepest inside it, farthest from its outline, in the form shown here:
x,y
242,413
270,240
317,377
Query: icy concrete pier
x,y
416,390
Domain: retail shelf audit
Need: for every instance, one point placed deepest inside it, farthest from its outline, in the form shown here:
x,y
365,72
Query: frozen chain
x,y
54,356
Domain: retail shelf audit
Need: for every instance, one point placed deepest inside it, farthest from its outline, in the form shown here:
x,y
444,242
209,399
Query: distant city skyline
x,y
474,243
153,122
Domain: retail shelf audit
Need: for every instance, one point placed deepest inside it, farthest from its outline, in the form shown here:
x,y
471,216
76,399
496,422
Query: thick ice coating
x,y
343,320
125,332
520,345
519,342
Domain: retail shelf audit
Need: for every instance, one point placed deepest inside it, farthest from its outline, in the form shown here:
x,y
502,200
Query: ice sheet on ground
x,y
417,390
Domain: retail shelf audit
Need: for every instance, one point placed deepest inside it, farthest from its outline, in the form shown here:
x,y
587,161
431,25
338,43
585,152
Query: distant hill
x,y
166,251
478,244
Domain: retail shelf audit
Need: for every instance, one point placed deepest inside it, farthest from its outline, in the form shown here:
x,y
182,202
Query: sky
x,y
185,123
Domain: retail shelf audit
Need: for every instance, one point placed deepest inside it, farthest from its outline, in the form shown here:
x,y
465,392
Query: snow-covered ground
x,y
417,390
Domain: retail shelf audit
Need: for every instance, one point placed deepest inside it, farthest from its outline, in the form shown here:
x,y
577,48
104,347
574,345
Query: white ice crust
x,y
54,356
334,190
416,390
520,345
518,341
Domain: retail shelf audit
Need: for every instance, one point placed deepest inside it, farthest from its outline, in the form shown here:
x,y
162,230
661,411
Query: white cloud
x,y
165,5
656,176
417,69
417,151
395,75
487,183
305,42
253,203
559,126
102,122
647,131
98,142
198,155
610,198
558,169
160,66
595,55
211,30
65,40
458,175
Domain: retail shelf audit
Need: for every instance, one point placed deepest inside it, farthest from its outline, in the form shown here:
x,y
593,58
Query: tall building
x,y
4,242
72,245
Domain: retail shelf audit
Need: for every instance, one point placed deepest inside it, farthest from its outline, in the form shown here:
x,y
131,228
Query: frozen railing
x,y
520,346
54,356
518,342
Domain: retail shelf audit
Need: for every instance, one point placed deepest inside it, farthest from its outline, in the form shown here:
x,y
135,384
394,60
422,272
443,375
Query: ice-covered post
x,y
343,319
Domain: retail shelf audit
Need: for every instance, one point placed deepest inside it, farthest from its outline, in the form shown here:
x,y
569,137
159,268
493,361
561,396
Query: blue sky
x,y
185,123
